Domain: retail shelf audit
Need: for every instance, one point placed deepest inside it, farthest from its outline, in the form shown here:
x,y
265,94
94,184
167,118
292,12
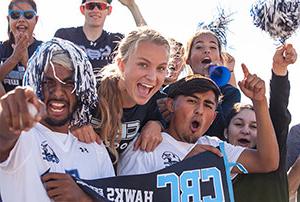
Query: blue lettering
x,y
215,175
171,178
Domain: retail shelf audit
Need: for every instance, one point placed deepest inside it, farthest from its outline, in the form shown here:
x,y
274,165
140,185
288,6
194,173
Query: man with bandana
x,y
38,153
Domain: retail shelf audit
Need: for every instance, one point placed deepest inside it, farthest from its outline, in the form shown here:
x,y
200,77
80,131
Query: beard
x,y
54,122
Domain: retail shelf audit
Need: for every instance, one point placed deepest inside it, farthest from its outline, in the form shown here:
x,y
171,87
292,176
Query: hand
x,y
20,53
252,86
284,56
15,109
200,148
127,3
150,137
61,187
86,134
228,61
161,103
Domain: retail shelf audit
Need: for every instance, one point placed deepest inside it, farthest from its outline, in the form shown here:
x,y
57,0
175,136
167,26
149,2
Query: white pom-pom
x,y
32,109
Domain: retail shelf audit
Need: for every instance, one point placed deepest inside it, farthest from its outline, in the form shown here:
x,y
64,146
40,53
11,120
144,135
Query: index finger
x,y
245,70
53,176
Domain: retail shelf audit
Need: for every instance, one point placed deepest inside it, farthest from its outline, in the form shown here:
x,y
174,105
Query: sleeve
x,y
280,115
60,33
153,112
293,145
19,154
231,95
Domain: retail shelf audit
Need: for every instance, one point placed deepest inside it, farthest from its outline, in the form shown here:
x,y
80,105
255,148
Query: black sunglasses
x,y
16,14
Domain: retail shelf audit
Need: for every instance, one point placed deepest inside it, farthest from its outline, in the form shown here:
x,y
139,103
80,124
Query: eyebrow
x,y
64,80
206,100
148,61
197,42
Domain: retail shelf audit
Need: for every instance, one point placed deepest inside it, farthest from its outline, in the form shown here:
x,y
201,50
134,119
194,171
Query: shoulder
x,y
67,31
114,37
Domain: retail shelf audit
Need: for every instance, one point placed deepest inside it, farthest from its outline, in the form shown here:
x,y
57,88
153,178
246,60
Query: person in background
x,y
15,52
36,146
293,162
98,43
241,129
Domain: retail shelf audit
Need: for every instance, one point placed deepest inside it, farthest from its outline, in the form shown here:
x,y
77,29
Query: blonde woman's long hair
x,y
110,98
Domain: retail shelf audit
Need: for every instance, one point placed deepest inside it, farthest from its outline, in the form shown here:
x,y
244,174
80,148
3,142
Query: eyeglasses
x,y
99,5
16,14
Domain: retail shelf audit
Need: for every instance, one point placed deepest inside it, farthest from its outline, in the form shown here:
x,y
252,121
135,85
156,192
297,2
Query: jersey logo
x,y
48,153
94,54
83,150
170,158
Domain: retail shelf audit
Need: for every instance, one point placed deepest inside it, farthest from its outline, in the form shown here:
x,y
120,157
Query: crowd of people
x,y
93,104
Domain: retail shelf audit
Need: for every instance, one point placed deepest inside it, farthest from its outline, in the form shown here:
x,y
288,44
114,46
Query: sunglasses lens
x,y
99,5
15,15
29,14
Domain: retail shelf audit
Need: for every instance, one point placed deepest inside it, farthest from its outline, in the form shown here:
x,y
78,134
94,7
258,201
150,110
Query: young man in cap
x,y
36,152
91,37
192,102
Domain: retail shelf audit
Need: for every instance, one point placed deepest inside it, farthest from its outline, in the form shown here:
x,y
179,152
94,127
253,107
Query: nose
x,y
199,109
207,51
151,75
245,130
57,90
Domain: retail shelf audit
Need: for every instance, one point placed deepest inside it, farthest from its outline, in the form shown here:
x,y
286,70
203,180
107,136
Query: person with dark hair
x,y
242,129
192,102
98,44
15,52
38,153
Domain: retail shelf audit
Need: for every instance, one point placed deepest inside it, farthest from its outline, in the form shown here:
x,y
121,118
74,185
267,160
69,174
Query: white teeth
x,y
146,85
57,104
57,110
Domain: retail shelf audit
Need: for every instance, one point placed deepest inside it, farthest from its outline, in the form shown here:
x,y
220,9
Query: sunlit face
x,y
191,115
59,98
242,129
143,73
22,25
95,17
204,50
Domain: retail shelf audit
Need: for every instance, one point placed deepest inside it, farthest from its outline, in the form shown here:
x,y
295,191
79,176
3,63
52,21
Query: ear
x,y
225,133
121,65
109,10
82,9
36,19
170,104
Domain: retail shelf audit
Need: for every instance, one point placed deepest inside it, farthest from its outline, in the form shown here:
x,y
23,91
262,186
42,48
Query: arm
x,y
2,90
20,54
279,96
266,157
15,117
294,177
135,11
229,62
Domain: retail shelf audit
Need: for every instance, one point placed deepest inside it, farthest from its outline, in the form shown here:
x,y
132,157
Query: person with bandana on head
x,y
98,43
38,153
15,52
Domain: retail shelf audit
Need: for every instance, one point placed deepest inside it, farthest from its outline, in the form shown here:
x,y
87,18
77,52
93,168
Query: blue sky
x,y
178,19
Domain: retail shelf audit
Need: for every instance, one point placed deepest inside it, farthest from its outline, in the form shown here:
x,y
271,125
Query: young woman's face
x,y
204,50
22,19
143,73
242,129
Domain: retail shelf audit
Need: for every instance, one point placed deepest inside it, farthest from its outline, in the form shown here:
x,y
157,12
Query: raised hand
x,y
14,109
284,56
20,53
252,86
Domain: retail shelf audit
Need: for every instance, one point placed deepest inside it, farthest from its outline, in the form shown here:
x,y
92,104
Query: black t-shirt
x,y
14,78
133,120
100,52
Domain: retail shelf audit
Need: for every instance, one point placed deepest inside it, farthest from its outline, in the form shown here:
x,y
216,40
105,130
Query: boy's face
x,y
95,12
191,115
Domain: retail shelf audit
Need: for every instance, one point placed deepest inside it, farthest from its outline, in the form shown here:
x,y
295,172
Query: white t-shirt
x,y
168,152
40,150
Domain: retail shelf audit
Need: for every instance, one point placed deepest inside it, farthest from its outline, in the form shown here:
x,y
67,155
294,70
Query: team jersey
x,y
41,150
100,52
14,78
168,152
